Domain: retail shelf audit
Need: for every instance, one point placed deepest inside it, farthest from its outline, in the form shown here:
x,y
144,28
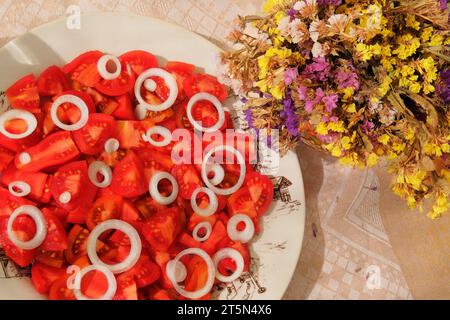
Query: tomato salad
x,y
93,198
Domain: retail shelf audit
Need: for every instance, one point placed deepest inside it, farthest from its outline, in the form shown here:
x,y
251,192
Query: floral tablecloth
x,y
346,253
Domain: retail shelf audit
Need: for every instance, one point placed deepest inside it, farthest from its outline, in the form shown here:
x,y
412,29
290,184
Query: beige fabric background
x,y
356,231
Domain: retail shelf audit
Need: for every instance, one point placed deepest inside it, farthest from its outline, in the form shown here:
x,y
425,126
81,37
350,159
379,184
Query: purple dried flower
x,y
292,13
289,116
302,92
290,75
329,138
318,70
249,118
444,87
347,79
443,5
330,102
329,2
367,126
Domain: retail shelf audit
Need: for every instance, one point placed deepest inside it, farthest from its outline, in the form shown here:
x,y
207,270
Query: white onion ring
x,y
170,82
213,202
112,145
154,192
233,254
79,103
208,97
24,158
12,114
209,281
198,227
219,174
112,283
25,188
242,172
65,197
135,241
140,112
245,235
163,131
100,167
41,227
180,270
103,71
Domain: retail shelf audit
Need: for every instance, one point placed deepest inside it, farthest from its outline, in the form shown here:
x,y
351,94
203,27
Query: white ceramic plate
x,y
275,252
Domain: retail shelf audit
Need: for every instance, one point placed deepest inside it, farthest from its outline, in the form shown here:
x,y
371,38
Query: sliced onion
x,y
65,197
12,114
238,259
245,235
242,172
170,82
24,158
154,192
41,227
103,70
163,131
133,236
202,225
112,145
180,270
79,103
100,167
208,97
112,283
25,188
213,202
140,112
219,174
209,281
150,85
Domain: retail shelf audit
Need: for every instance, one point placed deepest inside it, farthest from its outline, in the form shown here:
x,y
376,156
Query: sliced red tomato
x,y
130,213
119,86
124,110
205,83
24,229
78,215
17,126
52,82
181,118
188,179
73,178
156,293
126,288
59,290
56,239
53,259
128,177
161,229
6,157
197,275
148,207
104,104
77,243
36,180
43,276
104,208
145,272
92,137
56,149
24,94
139,61
9,203
241,202
218,234
154,161
94,284
129,133
83,69
260,188
180,67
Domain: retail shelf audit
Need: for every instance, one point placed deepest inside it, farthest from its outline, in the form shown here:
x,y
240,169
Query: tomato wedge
x,y
119,86
205,83
43,276
73,178
128,177
53,259
129,133
260,188
104,208
9,203
52,82
241,202
19,126
145,272
24,94
154,161
6,157
188,179
77,243
59,290
126,288
22,227
139,61
56,239
124,110
161,229
56,149
83,69
92,137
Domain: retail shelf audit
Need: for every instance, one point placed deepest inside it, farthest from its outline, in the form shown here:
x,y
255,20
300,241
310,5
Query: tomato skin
x,y
242,202
20,256
261,191
129,133
77,243
9,203
36,180
145,272
83,68
56,239
17,145
218,233
59,290
56,149
54,259
128,177
52,82
104,208
24,94
154,161
139,61
73,178
6,157
124,110
188,179
161,229
91,138
119,86
126,288
205,83
43,276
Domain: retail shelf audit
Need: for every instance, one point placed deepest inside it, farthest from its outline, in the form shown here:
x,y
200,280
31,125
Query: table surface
x,y
345,243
